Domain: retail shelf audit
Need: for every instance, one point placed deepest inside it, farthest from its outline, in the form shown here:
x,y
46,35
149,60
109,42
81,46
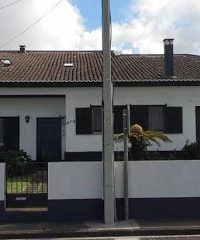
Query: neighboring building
x,y
50,106
61,92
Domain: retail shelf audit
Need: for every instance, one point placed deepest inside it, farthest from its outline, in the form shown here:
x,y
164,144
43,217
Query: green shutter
x,y
139,115
11,133
83,121
118,118
173,120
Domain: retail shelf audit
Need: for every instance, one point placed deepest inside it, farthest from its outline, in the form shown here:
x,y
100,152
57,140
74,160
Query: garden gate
x,y
27,185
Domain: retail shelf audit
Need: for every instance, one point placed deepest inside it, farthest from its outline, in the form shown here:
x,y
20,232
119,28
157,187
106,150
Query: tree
x,y
139,141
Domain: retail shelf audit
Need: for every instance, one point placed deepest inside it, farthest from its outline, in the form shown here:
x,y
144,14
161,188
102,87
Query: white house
x,y
50,106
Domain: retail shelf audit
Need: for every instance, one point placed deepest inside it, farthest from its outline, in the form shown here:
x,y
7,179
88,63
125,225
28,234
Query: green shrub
x,y
138,149
15,157
18,163
189,151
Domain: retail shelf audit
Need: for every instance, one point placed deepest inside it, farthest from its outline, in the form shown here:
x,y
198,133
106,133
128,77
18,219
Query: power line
x,y
30,26
8,5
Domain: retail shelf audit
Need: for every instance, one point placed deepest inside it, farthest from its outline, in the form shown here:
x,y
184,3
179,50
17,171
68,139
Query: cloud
x,y
62,28
147,23
150,21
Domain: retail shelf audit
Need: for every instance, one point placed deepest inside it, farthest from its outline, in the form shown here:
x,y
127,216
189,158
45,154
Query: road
x,y
174,237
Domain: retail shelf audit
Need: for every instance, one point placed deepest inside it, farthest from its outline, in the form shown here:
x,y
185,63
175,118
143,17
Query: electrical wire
x,y
4,1
31,25
8,5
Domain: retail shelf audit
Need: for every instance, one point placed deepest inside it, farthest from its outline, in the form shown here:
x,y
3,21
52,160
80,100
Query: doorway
x,y
49,139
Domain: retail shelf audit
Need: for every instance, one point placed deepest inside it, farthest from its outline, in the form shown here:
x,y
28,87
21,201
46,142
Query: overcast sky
x,y
138,26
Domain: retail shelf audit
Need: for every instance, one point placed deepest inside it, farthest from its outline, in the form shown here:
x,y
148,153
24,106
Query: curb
x,y
103,232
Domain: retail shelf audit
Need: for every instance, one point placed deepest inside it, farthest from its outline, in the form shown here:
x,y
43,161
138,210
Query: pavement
x,y
154,227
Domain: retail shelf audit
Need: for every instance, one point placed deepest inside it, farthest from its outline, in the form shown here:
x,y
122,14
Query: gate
x,y
27,185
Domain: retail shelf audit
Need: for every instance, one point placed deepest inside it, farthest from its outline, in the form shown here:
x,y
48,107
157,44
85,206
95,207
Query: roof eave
x,y
117,83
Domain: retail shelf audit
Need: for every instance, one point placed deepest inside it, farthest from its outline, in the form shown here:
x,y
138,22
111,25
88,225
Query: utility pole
x,y
108,148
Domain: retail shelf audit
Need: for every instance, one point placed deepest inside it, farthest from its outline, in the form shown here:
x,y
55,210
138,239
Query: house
x,y
50,103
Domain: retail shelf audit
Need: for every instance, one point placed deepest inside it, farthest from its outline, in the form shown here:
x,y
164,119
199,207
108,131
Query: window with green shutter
x,y
159,118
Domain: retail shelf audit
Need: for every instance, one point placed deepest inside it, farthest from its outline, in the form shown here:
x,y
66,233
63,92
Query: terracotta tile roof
x,y
48,67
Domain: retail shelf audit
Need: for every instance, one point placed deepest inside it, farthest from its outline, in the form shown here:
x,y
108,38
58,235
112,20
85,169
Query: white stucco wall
x,y
33,107
75,180
147,179
186,97
2,182
159,179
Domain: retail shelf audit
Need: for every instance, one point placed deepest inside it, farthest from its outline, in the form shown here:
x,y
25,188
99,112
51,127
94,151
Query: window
x,y
89,120
159,118
96,119
156,118
9,133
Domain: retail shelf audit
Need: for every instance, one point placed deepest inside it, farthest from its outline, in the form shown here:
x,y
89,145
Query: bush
x,y
18,163
15,157
189,151
138,149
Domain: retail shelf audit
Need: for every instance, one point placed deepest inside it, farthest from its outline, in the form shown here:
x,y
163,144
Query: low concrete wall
x,y
156,189
75,180
147,179
160,179
2,181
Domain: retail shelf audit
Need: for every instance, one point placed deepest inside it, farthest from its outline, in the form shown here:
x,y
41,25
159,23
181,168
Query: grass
x,y
16,185
19,186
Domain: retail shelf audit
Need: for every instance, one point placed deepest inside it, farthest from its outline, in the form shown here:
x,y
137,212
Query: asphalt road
x,y
174,237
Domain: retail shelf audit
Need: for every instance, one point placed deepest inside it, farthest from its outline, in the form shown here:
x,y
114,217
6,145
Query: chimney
x,y
168,58
22,48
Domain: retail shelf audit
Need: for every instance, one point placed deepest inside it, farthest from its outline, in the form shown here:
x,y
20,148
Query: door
x,y
197,110
48,139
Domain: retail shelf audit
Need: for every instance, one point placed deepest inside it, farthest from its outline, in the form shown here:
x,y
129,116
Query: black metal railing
x,y
27,178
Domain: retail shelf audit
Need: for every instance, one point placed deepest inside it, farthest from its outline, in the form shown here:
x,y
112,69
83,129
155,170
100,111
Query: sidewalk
x,y
92,229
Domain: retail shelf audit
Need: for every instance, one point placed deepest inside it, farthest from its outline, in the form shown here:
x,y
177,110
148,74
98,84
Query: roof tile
x,y
48,66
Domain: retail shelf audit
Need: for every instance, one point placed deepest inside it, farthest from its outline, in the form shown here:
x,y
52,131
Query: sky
x,y
138,26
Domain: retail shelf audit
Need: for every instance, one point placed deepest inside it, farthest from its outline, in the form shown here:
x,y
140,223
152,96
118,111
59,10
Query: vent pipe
x,y
22,48
168,58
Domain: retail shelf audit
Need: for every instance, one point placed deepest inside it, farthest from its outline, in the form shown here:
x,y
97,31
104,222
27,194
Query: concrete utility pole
x,y
108,148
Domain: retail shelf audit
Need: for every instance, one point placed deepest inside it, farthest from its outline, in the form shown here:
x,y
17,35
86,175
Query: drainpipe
x,y
126,133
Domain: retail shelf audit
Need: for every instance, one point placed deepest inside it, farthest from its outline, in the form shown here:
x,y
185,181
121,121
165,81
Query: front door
x,y
48,139
197,111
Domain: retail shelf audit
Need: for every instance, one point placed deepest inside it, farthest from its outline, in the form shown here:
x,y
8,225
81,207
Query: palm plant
x,y
140,140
